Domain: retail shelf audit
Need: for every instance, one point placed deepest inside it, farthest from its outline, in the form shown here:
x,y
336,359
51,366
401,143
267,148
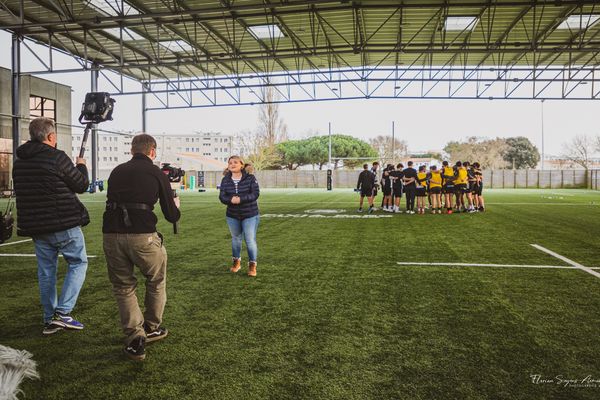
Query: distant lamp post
x,y
542,116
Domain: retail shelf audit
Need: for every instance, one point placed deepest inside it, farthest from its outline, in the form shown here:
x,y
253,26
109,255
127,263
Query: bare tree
x,y
580,150
252,149
272,128
383,146
488,152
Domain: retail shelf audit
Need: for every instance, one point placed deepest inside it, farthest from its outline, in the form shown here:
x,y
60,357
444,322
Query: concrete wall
x,y
509,179
31,85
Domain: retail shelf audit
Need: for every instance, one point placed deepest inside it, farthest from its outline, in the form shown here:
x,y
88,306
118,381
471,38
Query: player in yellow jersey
x,y
435,189
460,186
447,185
421,183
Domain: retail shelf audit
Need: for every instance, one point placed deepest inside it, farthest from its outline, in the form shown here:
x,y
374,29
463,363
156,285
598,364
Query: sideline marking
x,y
29,255
484,265
568,261
18,241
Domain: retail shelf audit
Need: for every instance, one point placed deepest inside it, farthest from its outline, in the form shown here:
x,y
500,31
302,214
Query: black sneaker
x,y
157,334
135,350
51,328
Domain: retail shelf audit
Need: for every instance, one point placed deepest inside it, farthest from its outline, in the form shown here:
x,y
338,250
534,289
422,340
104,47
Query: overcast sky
x,y
424,124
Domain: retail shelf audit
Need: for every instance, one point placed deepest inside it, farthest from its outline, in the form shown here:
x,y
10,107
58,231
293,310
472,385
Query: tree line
x,y
268,147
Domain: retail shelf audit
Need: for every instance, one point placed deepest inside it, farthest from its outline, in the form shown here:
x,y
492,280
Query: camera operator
x,y
130,238
48,210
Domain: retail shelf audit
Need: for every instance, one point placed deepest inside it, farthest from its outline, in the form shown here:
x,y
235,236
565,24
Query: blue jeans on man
x,y
71,244
244,229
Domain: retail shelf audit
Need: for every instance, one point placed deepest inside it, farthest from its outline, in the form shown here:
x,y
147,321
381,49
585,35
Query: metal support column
x,y
94,130
144,121
16,92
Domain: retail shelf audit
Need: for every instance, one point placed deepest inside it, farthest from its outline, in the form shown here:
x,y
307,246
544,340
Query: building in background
x,y
39,98
201,151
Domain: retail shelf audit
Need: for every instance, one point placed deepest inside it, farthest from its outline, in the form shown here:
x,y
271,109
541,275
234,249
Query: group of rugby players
x,y
452,189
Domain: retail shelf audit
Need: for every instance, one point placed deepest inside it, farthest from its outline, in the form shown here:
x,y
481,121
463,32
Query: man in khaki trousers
x,y
131,239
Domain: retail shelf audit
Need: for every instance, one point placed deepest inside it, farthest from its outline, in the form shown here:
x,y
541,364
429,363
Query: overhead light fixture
x,y
271,31
112,7
128,34
578,22
176,46
460,23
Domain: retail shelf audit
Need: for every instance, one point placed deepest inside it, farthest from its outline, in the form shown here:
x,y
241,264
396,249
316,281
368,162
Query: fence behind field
x,y
497,179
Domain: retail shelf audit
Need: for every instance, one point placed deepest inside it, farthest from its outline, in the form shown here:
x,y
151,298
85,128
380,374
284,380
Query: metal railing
x,y
496,179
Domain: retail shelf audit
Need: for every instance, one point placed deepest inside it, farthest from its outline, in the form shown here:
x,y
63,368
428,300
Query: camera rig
x,y
97,107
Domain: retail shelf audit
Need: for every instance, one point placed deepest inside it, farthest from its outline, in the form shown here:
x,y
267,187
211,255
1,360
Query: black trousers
x,y
410,193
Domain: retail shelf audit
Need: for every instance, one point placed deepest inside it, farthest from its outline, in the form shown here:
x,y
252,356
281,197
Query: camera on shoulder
x,y
173,173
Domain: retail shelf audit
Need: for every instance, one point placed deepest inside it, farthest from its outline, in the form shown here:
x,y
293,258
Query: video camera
x,y
175,174
97,107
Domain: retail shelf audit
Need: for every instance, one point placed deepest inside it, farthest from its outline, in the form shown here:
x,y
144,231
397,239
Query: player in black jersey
x,y
365,184
397,176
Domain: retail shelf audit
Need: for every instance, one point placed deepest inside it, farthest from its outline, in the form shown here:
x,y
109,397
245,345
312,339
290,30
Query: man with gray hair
x,y
48,210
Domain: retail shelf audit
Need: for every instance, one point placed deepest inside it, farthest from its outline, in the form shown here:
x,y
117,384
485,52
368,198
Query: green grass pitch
x,y
332,315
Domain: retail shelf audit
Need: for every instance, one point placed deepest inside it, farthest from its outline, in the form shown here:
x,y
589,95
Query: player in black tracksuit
x,y
410,187
397,176
386,188
365,185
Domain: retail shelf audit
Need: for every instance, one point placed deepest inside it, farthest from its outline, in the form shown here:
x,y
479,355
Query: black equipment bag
x,y
6,222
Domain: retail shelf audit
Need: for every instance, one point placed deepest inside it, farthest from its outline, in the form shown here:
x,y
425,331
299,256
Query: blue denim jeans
x,y
246,229
70,243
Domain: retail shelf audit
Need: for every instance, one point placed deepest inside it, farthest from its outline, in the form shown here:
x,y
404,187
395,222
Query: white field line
x,y
567,260
484,265
29,255
17,242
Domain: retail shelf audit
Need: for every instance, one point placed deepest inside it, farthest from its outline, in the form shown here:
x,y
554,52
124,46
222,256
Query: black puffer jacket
x,y
248,192
46,181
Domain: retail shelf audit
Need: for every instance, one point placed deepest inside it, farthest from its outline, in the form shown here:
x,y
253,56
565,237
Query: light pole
x,y
330,167
543,155
393,142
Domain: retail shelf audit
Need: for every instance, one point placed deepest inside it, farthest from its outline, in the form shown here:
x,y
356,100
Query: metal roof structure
x,y
199,53
208,53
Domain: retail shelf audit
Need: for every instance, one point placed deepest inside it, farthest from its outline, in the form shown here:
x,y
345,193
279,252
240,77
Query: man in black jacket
x,y
48,210
130,238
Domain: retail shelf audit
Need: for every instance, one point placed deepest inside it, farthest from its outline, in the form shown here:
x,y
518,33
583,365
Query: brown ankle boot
x,y
237,264
251,268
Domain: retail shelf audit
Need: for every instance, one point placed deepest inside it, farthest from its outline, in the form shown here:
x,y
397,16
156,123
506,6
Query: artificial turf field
x,y
331,314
